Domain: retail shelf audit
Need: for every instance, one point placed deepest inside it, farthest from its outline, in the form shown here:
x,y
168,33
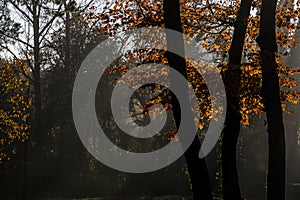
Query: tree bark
x,y
231,189
271,96
196,167
37,72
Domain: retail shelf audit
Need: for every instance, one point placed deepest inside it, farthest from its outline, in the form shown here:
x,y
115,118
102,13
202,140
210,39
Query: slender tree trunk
x,y
271,97
231,189
196,166
65,138
37,137
67,36
36,72
36,153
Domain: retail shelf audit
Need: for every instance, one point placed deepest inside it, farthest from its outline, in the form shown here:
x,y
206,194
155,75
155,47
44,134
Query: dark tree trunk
x,y
231,189
271,96
196,167
36,73
33,153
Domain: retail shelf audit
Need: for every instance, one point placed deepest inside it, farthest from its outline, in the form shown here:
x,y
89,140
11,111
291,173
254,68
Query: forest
x,y
150,99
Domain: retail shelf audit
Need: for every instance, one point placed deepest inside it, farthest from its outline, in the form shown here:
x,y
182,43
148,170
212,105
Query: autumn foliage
x,y
15,107
211,24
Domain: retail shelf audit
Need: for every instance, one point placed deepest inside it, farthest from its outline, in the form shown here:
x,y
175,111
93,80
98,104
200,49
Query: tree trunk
x,y
271,96
36,72
67,38
231,189
65,138
36,154
196,167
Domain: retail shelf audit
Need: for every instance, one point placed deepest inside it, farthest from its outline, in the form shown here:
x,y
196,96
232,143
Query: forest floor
x,y
164,197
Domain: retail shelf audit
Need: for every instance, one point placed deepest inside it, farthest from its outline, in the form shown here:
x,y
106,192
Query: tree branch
x,y
21,11
50,21
16,39
14,55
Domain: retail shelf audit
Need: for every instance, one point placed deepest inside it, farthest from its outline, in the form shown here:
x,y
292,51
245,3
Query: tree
x,y
15,108
38,18
271,96
72,41
232,78
7,26
196,166
211,23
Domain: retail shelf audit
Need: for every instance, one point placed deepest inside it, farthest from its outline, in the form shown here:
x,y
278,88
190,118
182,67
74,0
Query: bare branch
x,y
16,39
22,69
27,58
50,21
21,11
86,6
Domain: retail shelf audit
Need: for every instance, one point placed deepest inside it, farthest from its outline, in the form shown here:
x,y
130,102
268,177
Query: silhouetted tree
x,y
232,78
271,96
196,166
